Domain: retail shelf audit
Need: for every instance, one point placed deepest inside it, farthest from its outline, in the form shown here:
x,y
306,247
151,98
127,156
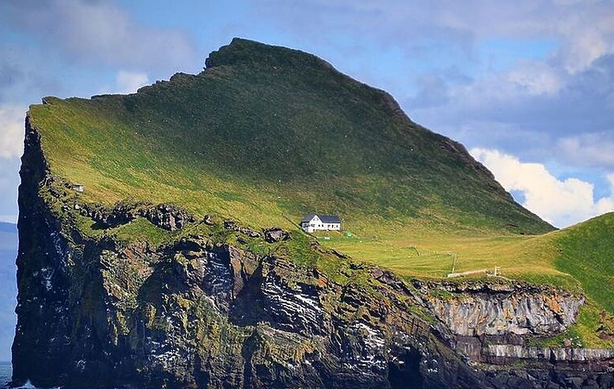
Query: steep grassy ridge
x,y
266,134
587,253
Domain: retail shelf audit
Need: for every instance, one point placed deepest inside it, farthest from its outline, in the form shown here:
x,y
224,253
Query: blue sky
x,y
526,85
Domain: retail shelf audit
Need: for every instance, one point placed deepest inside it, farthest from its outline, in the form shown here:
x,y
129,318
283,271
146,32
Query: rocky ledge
x,y
501,308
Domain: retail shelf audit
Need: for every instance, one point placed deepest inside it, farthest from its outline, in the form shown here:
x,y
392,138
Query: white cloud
x,y
584,28
560,202
125,83
98,32
590,149
570,121
9,180
11,130
130,82
536,78
8,218
583,50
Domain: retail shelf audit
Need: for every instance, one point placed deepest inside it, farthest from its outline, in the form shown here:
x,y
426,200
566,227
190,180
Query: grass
x,y
587,253
431,253
267,134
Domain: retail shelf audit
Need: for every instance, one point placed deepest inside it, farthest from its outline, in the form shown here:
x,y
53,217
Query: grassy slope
x,y
431,254
586,252
267,134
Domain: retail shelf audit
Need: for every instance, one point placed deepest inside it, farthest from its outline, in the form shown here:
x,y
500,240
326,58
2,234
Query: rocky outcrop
x,y
166,216
558,354
272,235
233,226
197,314
476,309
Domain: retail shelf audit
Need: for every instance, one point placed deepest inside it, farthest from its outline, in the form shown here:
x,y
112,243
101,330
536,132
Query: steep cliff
x,y
200,312
218,305
167,270
500,309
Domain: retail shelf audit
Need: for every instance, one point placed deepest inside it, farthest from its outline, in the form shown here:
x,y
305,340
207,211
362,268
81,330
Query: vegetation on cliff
x,y
266,134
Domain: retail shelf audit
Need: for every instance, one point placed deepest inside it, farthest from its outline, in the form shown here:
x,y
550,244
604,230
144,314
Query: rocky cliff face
x,y
500,309
209,310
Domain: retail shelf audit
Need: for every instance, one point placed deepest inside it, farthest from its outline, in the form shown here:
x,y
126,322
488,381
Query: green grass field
x,y
432,253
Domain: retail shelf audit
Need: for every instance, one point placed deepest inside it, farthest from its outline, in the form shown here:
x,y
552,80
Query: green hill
x,y
587,253
266,134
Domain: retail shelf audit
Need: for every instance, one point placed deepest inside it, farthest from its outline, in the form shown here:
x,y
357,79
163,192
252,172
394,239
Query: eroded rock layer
x,y
500,309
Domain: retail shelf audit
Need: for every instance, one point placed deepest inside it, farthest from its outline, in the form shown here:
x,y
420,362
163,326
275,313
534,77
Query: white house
x,y
317,222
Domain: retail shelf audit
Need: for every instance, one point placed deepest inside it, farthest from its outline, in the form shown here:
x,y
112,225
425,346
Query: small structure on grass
x,y
490,273
77,187
319,222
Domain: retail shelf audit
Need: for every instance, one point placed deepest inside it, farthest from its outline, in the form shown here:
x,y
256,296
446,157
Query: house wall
x,y
316,225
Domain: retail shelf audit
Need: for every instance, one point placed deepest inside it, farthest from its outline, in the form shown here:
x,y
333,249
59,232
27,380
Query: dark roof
x,y
308,217
324,218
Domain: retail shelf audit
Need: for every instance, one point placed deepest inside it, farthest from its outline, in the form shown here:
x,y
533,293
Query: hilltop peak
x,y
242,51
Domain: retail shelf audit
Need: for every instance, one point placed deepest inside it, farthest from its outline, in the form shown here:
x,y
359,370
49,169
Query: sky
x,y
526,85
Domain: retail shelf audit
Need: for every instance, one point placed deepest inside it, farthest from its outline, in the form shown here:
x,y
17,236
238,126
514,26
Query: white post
x,y
453,262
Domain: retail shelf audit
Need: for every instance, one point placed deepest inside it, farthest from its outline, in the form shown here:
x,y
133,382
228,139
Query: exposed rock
x,y
508,351
502,308
208,220
233,226
167,216
120,214
339,254
275,235
164,216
